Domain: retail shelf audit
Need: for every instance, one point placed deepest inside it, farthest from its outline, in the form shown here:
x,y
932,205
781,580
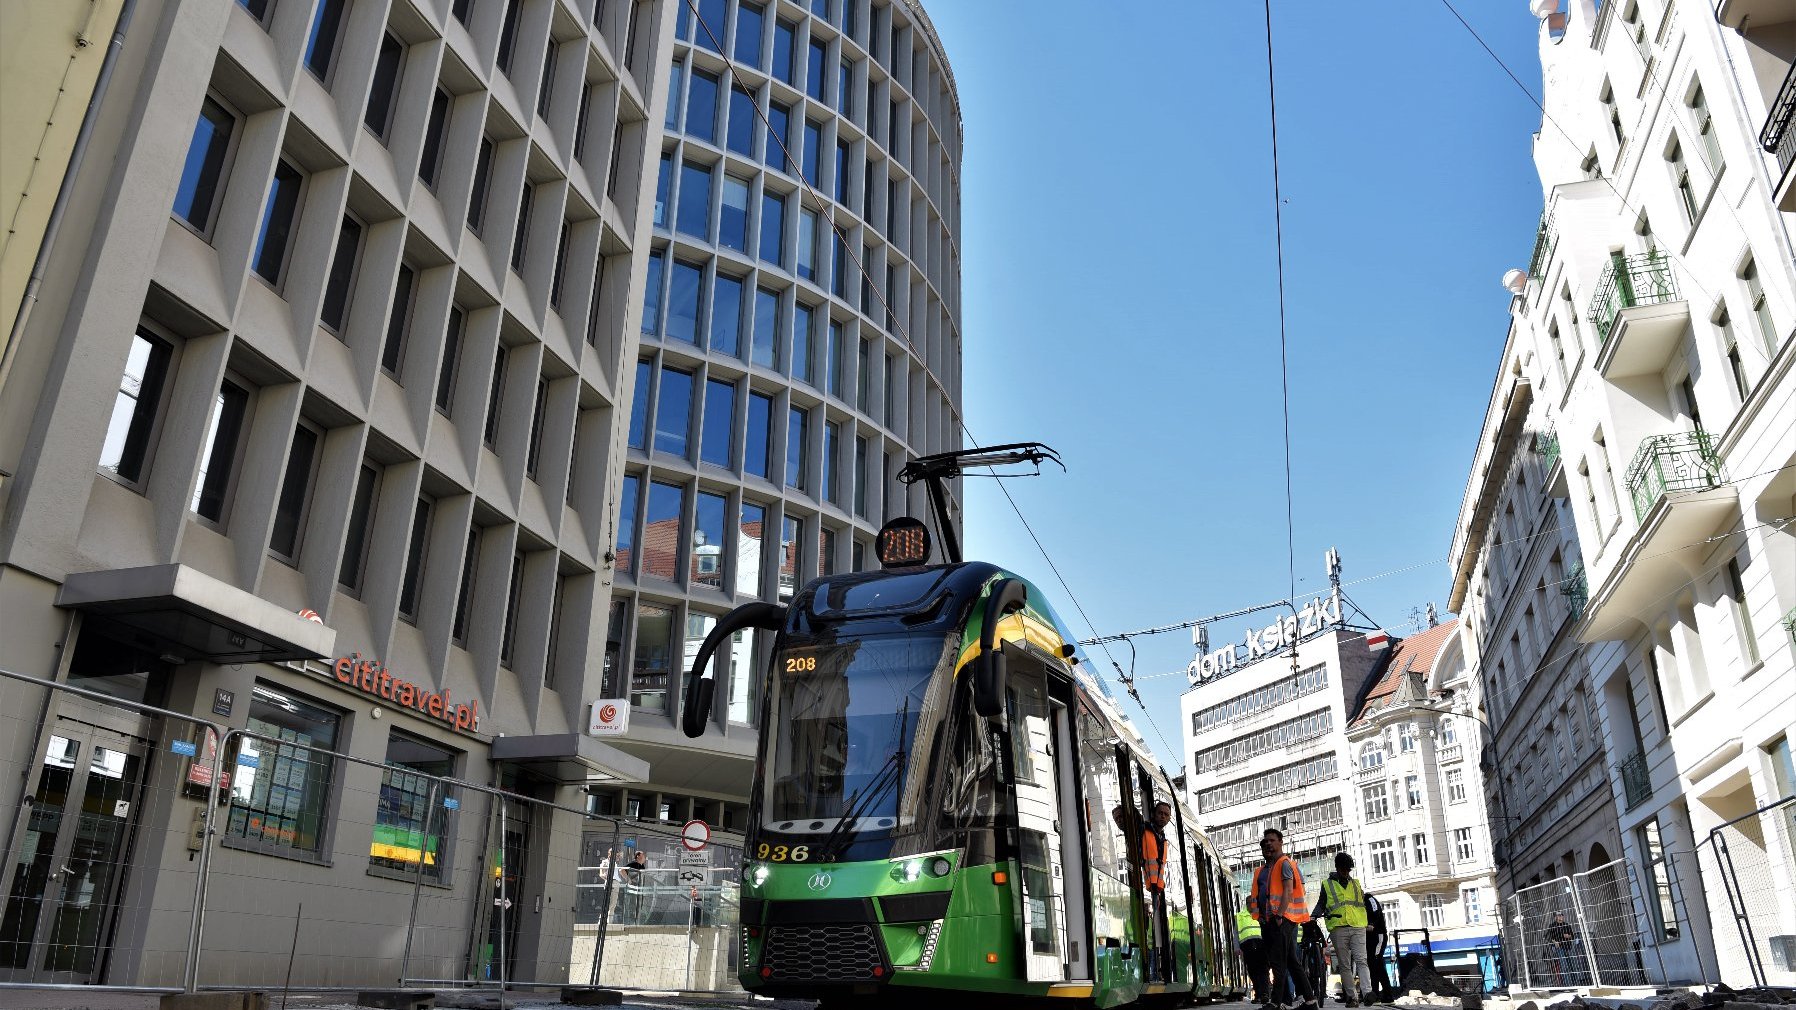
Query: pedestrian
x,y
1562,942
1253,955
635,874
698,907
1153,873
1343,907
1277,898
1377,933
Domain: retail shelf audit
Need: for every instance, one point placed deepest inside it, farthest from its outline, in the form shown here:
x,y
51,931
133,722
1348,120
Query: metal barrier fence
x,y
155,850
1580,930
1751,863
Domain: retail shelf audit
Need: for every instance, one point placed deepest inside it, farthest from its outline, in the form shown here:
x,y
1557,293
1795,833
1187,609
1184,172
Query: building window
x,y
706,568
508,36
1412,787
1680,177
1472,900
651,294
410,834
813,71
717,445
361,522
788,572
1378,805
1419,842
807,244
744,123
832,360
414,559
520,232
321,41
538,414
1736,591
803,321
653,658
673,412
701,107
483,177
514,591
1710,145
757,435
779,133
1652,850
197,197
627,505
296,492
277,222
751,552
280,796
559,275
764,340
464,593
797,423
826,551
813,145
1463,849
732,221
430,159
1434,910
495,397
392,349
773,227
451,359
685,292
1406,741
1384,857
750,19
342,276
860,480
784,49
726,315
378,116
1761,308
223,443
661,531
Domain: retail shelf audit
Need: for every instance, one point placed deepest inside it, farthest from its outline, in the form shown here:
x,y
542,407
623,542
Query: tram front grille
x,y
823,953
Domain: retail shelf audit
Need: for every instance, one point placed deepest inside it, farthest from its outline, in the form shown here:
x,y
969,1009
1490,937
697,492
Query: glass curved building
x,y
800,342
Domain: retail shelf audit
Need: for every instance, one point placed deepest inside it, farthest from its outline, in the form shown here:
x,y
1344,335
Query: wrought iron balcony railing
x,y
1641,279
1686,461
1790,625
1636,782
1544,241
1546,446
1576,590
1779,134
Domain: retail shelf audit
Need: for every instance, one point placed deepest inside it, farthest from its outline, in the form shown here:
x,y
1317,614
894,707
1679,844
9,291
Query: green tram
x,y
945,801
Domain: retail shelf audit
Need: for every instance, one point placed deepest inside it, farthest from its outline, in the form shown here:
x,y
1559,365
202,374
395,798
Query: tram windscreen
x,y
843,739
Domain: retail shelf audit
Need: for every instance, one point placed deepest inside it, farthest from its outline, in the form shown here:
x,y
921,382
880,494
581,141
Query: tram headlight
x,y
908,870
758,875
939,867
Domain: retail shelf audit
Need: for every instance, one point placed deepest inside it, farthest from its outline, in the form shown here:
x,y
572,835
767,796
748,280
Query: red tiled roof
x,y
1414,654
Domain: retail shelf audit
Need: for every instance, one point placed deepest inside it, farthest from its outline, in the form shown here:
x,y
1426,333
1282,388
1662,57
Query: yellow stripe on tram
x,y
1070,989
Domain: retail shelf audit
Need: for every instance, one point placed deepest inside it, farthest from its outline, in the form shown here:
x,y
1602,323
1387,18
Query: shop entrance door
x,y
73,844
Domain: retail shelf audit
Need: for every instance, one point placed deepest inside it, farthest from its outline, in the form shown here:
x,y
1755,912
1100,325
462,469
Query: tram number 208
x,y
783,853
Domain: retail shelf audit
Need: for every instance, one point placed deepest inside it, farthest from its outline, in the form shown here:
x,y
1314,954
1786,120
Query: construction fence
x,y
1580,930
1750,863
155,850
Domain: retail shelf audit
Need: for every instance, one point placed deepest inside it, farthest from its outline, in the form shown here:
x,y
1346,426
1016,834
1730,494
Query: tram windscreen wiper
x,y
863,800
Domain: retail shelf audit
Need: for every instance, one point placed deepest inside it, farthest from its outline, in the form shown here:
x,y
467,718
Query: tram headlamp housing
x,y
940,866
758,874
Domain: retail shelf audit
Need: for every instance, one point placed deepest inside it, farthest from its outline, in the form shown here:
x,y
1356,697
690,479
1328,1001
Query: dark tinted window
x,y
726,314
720,412
200,175
277,222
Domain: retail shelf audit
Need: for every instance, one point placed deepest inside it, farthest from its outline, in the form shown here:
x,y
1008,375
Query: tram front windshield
x,y
842,741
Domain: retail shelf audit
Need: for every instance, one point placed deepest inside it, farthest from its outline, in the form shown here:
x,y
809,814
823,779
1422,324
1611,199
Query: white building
x,y
1645,400
1422,840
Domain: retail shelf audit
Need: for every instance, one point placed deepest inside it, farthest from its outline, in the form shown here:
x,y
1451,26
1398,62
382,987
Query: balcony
x,y
1546,446
1364,773
1636,781
1790,626
1779,138
1638,314
1544,242
1739,14
1667,463
1680,498
1576,590
1452,753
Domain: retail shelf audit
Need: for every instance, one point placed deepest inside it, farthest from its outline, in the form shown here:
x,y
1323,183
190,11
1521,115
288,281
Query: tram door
x,y
73,840
1039,741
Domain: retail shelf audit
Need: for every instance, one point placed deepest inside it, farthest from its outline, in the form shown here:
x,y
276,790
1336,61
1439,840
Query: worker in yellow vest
x,y
1253,954
1277,899
1342,907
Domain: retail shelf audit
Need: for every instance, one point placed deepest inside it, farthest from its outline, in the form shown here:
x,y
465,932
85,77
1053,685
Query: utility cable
x,y
897,327
1284,368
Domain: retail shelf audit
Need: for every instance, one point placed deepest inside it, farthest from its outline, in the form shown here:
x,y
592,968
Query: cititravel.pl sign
x,y
372,678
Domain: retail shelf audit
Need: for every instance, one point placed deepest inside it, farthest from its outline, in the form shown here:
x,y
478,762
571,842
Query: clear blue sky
x,y
1121,301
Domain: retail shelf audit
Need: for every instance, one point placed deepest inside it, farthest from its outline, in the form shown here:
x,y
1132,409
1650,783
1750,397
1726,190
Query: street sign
x,y
695,835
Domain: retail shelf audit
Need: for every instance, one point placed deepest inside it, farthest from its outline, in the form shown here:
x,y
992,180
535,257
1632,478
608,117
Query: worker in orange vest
x,y
1153,876
1277,899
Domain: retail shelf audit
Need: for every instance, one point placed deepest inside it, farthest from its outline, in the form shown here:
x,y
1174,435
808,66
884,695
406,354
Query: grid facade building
x,y
359,310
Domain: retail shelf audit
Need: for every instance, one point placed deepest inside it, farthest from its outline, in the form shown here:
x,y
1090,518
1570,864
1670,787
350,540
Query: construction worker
x,y
1153,875
1377,932
1342,907
1277,899
1253,954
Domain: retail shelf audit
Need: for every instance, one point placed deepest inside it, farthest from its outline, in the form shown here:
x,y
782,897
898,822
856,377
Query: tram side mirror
x,y
701,687
989,674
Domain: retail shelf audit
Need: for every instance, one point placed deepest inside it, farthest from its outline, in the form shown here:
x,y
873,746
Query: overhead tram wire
x,y
1284,367
898,327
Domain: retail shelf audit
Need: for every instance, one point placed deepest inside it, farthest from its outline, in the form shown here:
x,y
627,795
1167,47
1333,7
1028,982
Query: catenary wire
x,y
840,234
1284,367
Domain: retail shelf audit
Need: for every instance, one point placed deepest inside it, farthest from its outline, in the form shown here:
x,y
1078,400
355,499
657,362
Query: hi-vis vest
x,y
1343,904
1293,906
1246,926
1152,853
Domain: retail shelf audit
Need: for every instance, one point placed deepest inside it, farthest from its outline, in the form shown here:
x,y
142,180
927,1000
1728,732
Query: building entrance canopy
x,y
175,610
